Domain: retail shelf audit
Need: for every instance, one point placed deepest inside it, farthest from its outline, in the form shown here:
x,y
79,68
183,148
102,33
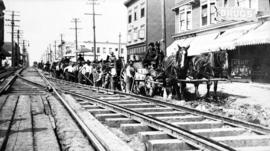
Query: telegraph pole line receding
x,y
163,18
61,46
93,3
119,50
12,36
76,20
55,50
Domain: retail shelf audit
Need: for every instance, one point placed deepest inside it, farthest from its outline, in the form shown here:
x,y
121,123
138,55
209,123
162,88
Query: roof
x,y
129,2
259,35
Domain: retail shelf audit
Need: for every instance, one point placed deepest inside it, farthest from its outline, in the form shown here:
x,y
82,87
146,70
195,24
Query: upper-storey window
x,y
129,18
182,20
212,13
142,12
135,15
208,12
204,15
243,3
185,18
189,18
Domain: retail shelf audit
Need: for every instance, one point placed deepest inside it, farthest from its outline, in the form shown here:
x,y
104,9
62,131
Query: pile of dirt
x,y
229,107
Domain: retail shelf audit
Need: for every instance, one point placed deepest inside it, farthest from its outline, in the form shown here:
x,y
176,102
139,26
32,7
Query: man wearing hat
x,y
160,54
151,55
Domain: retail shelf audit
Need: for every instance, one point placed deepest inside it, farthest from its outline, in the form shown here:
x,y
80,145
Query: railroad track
x,y
23,92
4,75
166,126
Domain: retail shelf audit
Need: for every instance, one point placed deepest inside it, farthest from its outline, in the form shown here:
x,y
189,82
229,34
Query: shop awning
x,y
201,44
227,40
171,50
257,36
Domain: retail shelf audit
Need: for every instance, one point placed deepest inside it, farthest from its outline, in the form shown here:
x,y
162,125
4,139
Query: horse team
x,y
165,76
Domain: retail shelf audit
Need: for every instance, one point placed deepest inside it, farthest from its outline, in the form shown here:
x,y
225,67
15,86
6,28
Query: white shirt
x,y
69,69
87,69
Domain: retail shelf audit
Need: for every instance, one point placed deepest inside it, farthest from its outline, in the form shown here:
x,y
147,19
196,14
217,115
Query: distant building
x,y
3,54
236,26
103,49
145,24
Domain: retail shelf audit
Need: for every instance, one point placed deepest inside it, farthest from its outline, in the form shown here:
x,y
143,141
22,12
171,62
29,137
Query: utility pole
x,y
50,50
119,50
61,48
93,3
55,50
163,18
76,20
12,20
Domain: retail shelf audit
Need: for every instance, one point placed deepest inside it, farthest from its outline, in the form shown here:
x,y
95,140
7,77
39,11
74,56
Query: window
x,y
116,49
142,12
92,49
129,19
189,18
98,49
104,50
122,50
244,3
182,21
212,13
225,3
135,16
204,15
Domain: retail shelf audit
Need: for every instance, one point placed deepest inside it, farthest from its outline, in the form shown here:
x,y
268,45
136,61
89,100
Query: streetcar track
x,y
212,128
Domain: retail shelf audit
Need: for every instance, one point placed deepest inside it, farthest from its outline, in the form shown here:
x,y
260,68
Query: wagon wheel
x,y
149,85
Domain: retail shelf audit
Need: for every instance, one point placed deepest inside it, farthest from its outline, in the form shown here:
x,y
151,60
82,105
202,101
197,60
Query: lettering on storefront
x,y
236,13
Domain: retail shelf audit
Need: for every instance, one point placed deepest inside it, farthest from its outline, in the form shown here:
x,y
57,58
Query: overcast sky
x,y
42,21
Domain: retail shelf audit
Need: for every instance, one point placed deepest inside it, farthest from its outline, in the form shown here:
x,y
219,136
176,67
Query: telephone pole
x,y
61,44
76,20
93,3
55,50
119,50
163,18
12,20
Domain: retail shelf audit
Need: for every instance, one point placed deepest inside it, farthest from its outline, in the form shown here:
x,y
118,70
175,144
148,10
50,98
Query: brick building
x,y
145,24
236,26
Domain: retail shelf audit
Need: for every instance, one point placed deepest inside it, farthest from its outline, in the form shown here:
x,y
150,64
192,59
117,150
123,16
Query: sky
x,y
42,22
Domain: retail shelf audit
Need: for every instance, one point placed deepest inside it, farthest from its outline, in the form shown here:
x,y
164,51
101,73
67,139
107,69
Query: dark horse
x,y
175,68
210,65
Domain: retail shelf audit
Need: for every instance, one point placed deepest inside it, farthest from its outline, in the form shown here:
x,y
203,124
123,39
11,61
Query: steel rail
x,y
254,127
92,138
180,133
7,86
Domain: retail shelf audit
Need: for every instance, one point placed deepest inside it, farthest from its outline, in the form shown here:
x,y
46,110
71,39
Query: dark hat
x,y
151,44
157,43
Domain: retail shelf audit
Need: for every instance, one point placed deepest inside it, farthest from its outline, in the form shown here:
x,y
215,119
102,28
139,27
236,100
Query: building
x,y
3,53
145,24
7,48
236,26
103,50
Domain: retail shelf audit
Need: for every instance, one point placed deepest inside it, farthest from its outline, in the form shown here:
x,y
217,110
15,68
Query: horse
x,y
210,65
174,68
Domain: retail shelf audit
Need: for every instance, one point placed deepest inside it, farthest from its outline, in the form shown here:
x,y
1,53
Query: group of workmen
x,y
106,72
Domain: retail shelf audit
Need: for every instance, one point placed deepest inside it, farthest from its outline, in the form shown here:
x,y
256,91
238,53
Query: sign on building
x,y
236,13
